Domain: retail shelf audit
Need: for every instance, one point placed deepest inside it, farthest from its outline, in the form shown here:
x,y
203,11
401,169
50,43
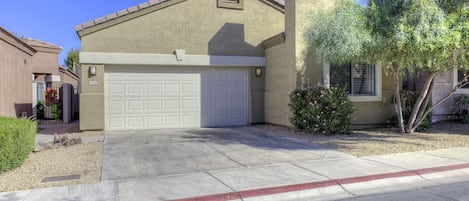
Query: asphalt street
x,y
446,192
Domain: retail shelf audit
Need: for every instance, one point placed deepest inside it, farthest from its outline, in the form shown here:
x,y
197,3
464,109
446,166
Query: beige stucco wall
x,y
68,78
197,26
46,63
292,65
15,80
92,99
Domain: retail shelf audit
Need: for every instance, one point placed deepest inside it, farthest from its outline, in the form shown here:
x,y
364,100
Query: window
x,y
359,79
461,77
233,4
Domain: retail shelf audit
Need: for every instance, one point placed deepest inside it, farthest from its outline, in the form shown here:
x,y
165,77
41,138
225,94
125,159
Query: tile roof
x,y
136,8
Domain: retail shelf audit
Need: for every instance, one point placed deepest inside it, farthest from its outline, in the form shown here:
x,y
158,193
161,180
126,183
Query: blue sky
x,y
54,21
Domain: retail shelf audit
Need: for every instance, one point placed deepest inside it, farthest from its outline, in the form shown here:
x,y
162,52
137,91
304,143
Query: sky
x,y
54,21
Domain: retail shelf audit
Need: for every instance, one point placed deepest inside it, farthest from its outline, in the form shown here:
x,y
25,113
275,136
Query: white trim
x,y
168,59
356,98
455,82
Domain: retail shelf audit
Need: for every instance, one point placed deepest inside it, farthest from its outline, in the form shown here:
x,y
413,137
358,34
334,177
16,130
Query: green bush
x,y
56,110
461,103
321,110
17,140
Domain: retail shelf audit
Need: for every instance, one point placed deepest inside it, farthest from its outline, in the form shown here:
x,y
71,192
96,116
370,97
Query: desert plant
x,y
321,110
66,140
17,140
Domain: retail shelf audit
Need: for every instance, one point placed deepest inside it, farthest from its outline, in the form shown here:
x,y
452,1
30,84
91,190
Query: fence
x,y
56,103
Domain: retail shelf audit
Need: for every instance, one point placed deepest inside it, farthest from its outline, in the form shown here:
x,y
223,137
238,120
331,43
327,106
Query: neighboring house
x,y
49,75
15,76
29,67
210,63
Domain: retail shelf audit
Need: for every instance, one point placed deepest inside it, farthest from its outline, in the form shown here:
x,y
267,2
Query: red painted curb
x,y
320,184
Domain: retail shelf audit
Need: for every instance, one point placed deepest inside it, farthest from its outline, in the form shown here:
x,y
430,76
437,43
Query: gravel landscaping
x,y
82,159
383,140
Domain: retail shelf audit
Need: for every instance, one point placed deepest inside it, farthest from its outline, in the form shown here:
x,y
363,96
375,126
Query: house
x,y
15,75
210,63
28,68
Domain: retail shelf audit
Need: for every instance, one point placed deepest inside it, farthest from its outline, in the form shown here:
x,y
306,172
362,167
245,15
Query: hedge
x,y
17,140
321,110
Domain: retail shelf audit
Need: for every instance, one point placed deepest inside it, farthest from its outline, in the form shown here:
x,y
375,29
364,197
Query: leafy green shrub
x,y
56,110
321,110
461,103
17,140
408,99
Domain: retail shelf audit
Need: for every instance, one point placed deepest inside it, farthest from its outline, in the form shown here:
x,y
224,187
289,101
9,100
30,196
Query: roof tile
x,y
100,20
133,9
153,2
88,24
143,5
110,16
122,12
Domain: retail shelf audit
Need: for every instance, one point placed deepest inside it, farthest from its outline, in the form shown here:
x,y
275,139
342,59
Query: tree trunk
x,y
423,109
458,86
418,104
397,101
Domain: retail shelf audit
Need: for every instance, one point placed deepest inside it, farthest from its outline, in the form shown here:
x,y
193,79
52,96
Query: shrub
x,y
56,110
17,140
461,103
321,110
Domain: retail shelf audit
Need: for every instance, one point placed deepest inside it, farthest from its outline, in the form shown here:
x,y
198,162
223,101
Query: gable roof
x,y
142,9
42,46
39,43
16,42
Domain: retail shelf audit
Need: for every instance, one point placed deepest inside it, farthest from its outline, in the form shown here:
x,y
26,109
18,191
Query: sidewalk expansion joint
x,y
220,152
340,185
322,184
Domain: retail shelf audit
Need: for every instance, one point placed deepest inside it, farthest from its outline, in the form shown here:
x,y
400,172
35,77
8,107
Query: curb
x,y
314,185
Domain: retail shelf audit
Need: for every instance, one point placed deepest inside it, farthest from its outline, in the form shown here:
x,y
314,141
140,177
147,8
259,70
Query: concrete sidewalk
x,y
314,180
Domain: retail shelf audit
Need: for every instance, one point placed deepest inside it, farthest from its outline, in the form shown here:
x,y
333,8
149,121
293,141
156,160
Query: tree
x,y
401,35
72,58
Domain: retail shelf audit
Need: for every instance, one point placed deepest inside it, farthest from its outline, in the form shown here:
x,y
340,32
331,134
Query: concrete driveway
x,y
153,153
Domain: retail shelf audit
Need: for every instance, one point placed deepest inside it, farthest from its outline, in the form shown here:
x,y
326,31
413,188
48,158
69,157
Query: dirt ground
x,y
83,159
384,140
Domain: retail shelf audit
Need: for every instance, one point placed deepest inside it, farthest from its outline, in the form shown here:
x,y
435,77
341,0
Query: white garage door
x,y
175,97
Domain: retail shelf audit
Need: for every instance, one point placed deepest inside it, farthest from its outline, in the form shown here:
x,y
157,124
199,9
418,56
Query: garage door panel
x,y
154,89
116,89
135,121
134,89
154,105
136,105
171,105
171,89
177,97
116,122
155,121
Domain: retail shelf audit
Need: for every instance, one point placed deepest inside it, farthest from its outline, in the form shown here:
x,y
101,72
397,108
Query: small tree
x,y
73,57
406,36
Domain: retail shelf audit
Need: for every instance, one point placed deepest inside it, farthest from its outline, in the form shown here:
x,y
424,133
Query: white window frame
x,y
455,82
358,98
